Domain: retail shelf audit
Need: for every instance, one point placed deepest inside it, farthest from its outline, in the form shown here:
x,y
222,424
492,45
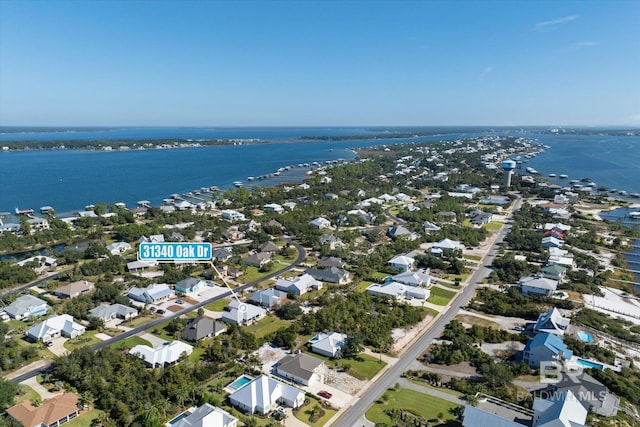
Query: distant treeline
x,y
117,144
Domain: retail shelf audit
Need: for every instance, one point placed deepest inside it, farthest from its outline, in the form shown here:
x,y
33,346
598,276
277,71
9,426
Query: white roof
x,y
413,278
248,312
402,260
168,353
448,244
539,282
207,415
331,342
54,325
302,283
264,392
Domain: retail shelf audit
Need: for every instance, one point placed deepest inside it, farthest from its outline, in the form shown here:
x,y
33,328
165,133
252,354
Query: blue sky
x,y
275,63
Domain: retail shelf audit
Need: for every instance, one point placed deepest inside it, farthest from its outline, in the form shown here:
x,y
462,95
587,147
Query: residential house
x,y
264,394
118,247
74,289
113,311
301,368
402,262
592,394
51,412
232,215
174,236
134,266
545,347
62,325
552,242
258,259
233,233
448,245
552,322
156,238
222,254
331,275
401,232
331,196
242,314
206,415
202,327
321,223
289,205
152,294
26,306
252,226
429,227
398,290
413,278
268,247
329,345
331,240
475,417
268,298
299,285
183,205
331,261
190,285
480,218
562,410
165,355
537,285
41,262
554,272
274,207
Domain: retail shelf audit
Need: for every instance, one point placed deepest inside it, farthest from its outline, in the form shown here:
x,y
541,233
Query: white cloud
x,y
635,117
485,72
554,23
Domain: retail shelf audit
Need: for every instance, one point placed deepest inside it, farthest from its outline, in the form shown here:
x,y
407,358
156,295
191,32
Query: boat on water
x,y
531,170
634,215
237,183
552,175
622,193
250,178
636,195
563,176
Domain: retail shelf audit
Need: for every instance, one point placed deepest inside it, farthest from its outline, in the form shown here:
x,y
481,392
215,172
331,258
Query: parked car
x,y
160,311
325,394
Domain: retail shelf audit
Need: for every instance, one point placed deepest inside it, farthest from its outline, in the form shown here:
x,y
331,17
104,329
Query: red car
x,y
325,394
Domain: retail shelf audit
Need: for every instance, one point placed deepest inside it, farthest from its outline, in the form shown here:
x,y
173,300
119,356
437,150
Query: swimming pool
x,y
590,364
179,417
240,382
585,336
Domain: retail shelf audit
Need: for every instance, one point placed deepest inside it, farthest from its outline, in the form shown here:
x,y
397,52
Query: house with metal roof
x,y
592,394
190,285
321,223
206,415
26,306
118,247
329,345
242,314
165,355
402,262
62,325
301,368
554,272
545,347
551,322
562,410
398,290
268,298
448,245
152,294
298,285
413,278
264,394
537,285
475,417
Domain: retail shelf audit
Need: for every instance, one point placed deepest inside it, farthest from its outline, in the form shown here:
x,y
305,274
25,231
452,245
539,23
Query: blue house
x,y
189,285
545,347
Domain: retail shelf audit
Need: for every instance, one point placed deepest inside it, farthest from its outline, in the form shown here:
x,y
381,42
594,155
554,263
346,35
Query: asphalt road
x,y
301,256
354,414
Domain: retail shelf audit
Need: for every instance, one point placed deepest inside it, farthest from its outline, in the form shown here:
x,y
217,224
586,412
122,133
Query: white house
x,y
328,345
166,354
206,415
26,306
413,278
151,294
564,409
62,325
448,245
118,247
398,290
242,313
552,322
274,207
321,223
402,262
299,285
264,394
232,215
113,311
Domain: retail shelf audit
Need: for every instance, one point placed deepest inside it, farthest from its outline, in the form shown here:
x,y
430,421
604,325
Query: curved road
x,y
354,414
301,256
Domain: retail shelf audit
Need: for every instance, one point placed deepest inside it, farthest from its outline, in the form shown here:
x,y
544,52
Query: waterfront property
x,y
552,322
545,347
26,306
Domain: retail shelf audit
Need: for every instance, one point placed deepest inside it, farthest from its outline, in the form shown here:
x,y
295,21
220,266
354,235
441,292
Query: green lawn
x,y
266,325
493,226
362,367
380,275
84,419
362,286
88,338
252,273
440,296
472,257
131,342
219,305
141,320
26,393
418,403
304,412
425,384
467,223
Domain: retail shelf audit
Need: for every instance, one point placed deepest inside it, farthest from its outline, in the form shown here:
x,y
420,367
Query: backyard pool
x,y
590,364
585,336
179,417
240,382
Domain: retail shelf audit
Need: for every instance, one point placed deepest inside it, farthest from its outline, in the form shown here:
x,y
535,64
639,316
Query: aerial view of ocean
x,y
68,180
